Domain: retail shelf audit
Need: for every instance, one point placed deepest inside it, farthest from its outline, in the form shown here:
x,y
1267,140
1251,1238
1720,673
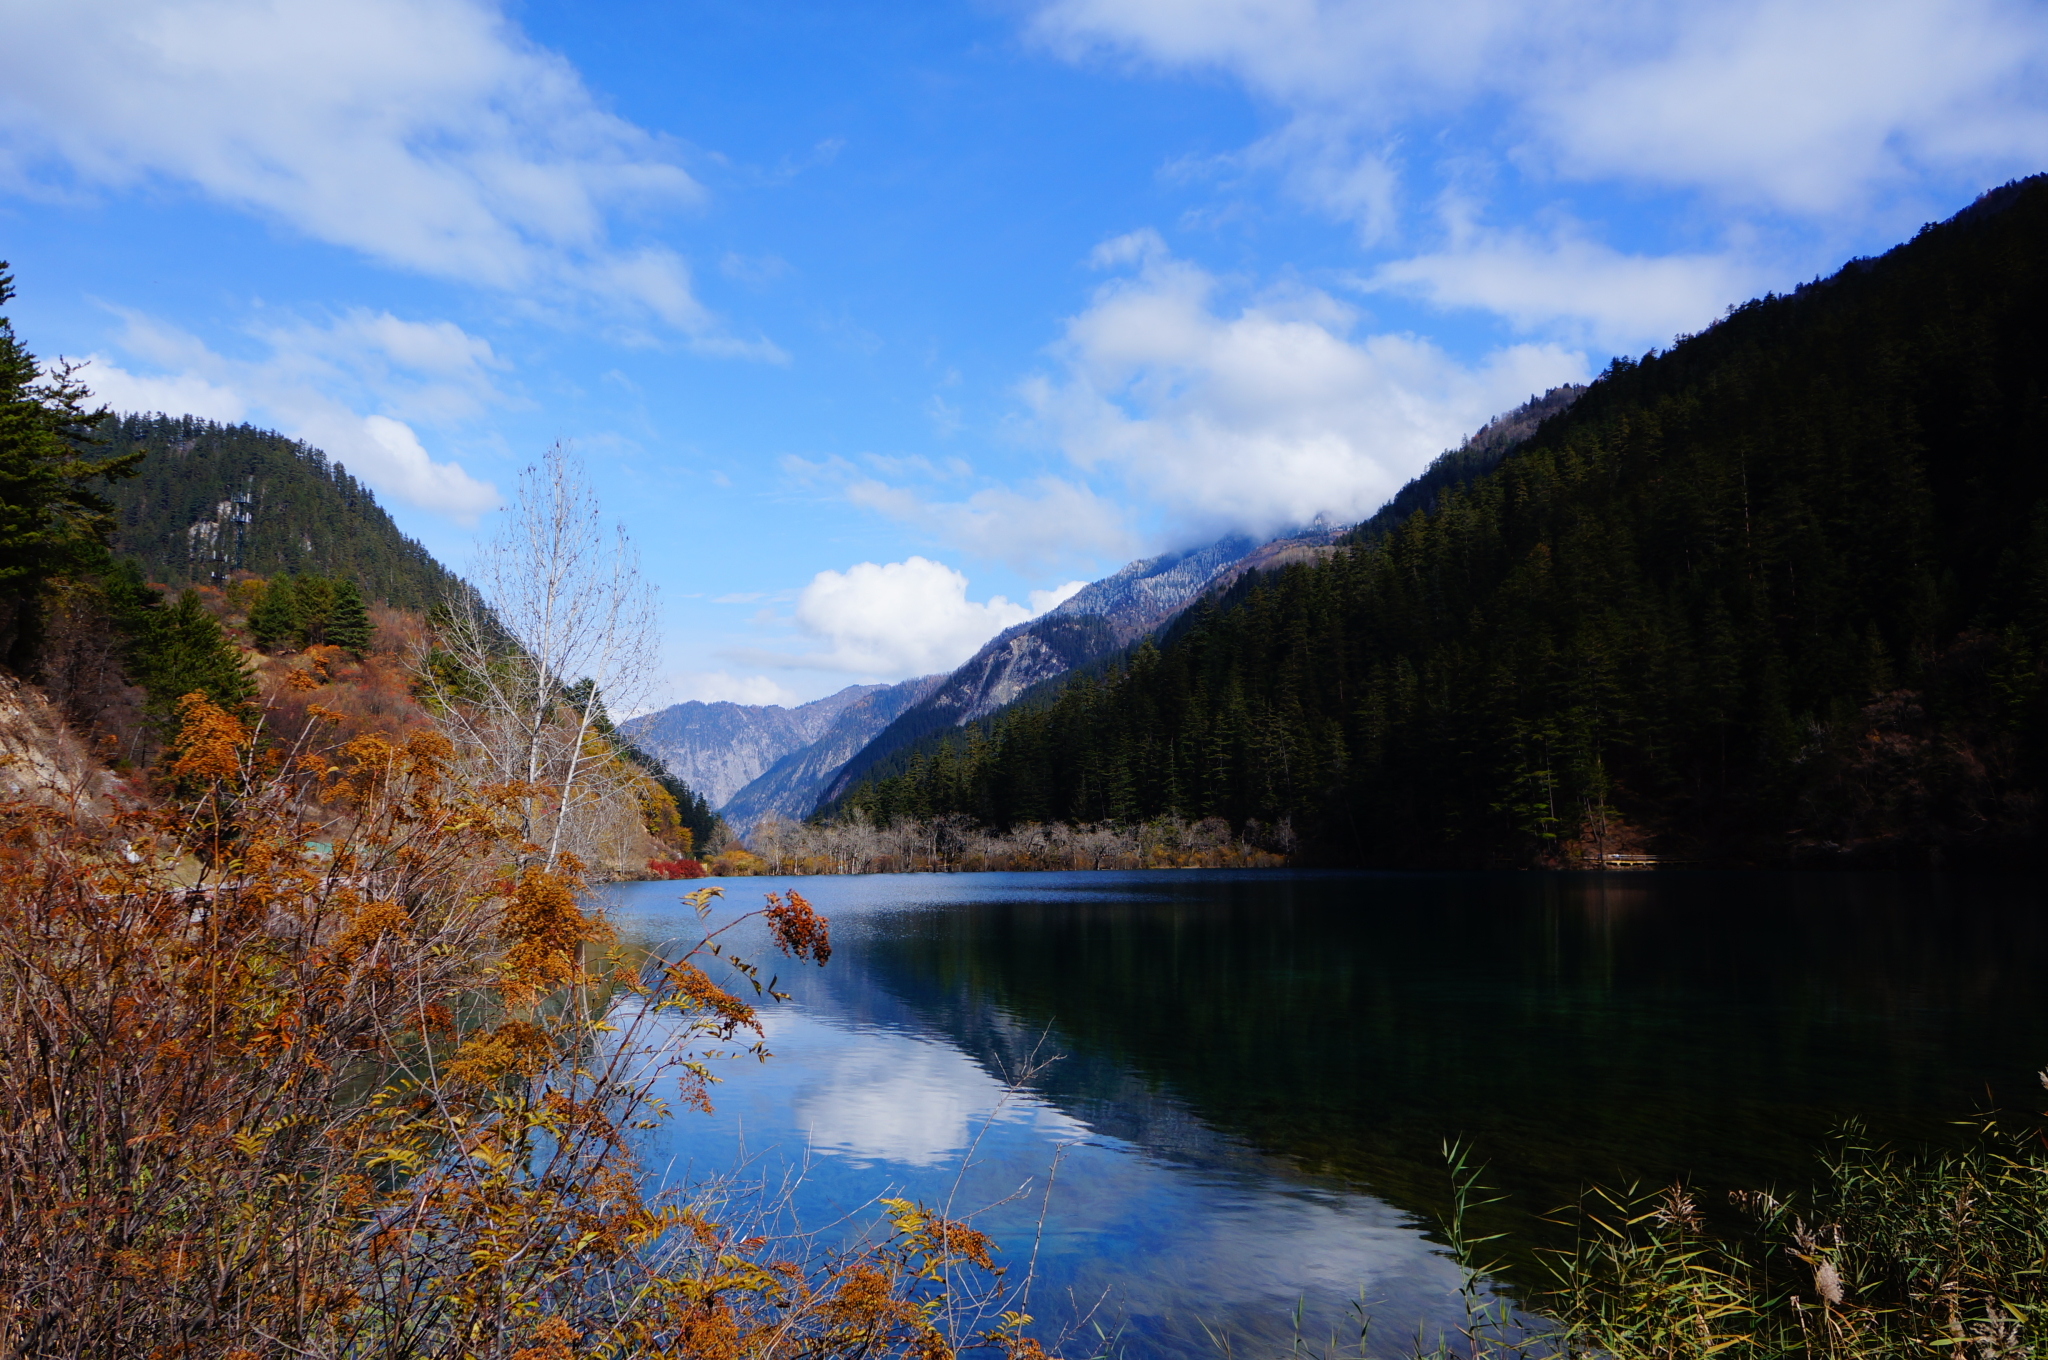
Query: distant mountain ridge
x,y
791,786
1775,596
755,761
719,748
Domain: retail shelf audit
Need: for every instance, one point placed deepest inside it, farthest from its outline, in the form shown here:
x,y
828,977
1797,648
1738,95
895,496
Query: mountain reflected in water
x,y
1255,1072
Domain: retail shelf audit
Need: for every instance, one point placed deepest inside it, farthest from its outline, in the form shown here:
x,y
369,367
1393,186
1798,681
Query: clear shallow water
x,y
1256,1070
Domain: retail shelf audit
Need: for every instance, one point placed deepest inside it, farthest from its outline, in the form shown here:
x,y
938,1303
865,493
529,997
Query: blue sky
x,y
878,326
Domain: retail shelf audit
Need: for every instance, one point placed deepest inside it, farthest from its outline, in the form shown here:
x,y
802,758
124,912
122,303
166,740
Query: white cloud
x,y
1052,520
1610,300
430,135
180,394
1267,415
1811,105
313,385
1807,105
713,687
1042,600
898,619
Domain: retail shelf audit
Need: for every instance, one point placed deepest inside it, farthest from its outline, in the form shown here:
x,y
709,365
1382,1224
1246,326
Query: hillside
x,y
209,499
1778,594
1151,596
1094,623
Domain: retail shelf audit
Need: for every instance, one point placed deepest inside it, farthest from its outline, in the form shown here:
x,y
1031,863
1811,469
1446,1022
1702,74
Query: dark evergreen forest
x,y
1778,594
180,515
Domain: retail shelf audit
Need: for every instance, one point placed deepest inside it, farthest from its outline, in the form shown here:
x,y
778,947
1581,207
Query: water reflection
x,y
1257,1071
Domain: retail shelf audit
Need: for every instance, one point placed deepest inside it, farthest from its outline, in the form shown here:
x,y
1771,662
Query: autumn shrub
x,y
380,1096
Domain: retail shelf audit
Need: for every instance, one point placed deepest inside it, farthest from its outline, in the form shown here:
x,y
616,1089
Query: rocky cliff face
x,y
718,749
43,761
790,787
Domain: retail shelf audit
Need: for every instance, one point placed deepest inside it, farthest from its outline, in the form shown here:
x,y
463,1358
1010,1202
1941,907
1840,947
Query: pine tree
x,y
313,598
274,618
348,625
51,522
181,650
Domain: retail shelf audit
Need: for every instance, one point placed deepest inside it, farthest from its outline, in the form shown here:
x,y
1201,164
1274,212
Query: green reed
x,y
1894,1253
1921,1253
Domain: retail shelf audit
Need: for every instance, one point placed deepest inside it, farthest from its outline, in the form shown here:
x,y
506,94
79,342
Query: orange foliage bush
x,y
377,1098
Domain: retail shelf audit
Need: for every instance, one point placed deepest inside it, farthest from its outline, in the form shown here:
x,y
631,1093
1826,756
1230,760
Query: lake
x,y
1254,1072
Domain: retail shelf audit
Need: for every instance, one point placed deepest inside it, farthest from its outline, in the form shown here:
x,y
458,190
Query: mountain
x,y
790,787
1107,616
1778,594
209,498
1096,621
720,748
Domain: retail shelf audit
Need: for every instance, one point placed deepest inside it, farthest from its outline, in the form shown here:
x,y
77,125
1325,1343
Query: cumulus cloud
x,y
898,619
314,383
429,135
182,393
1806,105
1266,415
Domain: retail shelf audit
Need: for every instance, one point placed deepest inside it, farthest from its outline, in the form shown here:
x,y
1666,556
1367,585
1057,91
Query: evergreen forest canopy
x,y
1777,594
208,499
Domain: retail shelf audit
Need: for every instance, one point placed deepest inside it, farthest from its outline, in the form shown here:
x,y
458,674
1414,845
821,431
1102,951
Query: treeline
x,y
953,843
1778,593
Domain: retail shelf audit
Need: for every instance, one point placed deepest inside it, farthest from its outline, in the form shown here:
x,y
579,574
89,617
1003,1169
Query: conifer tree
x,y
181,650
51,522
274,618
313,598
348,625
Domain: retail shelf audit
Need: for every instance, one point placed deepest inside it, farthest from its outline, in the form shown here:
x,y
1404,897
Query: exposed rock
x,y
42,760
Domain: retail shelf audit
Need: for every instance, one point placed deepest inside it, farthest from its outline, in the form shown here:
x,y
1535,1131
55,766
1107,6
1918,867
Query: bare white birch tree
x,y
560,624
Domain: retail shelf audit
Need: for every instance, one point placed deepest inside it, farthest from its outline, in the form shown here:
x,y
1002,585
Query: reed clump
x,y
1895,1253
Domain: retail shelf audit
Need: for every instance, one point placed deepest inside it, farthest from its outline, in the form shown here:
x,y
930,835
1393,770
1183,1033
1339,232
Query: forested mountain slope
x,y
1148,596
1097,621
183,514
1780,593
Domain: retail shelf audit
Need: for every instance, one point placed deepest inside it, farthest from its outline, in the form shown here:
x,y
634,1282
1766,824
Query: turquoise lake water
x,y
1255,1071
